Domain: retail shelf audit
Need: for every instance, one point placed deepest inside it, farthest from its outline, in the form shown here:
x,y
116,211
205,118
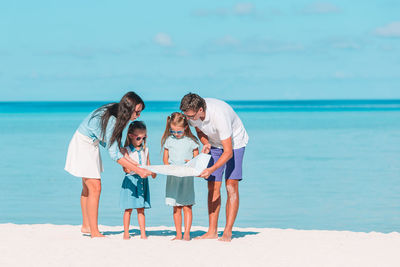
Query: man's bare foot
x,y
208,235
97,235
177,237
127,237
225,238
186,237
85,230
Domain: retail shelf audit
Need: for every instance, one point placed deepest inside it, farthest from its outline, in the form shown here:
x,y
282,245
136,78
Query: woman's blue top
x,y
91,127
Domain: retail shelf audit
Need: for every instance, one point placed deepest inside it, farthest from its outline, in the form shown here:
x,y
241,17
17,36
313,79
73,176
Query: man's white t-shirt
x,y
220,123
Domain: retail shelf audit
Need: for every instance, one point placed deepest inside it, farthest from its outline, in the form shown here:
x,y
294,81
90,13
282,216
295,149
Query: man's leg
x,y
232,207
214,205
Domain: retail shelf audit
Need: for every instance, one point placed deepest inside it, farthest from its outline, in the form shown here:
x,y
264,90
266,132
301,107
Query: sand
x,y
64,245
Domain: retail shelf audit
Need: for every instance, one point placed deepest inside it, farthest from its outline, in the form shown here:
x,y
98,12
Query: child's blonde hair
x,y
177,119
136,125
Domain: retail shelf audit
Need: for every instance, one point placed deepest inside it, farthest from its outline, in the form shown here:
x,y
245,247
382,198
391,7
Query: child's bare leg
x,y
232,207
85,220
214,205
94,186
142,223
127,222
187,212
178,222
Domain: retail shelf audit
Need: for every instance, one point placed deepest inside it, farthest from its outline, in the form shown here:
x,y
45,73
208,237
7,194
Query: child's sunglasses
x,y
176,132
138,138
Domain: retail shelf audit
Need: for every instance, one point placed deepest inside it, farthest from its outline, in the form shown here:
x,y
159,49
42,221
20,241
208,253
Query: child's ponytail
x,y
166,132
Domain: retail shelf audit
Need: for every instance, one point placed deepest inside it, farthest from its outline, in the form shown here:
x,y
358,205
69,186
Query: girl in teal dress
x,y
135,193
180,146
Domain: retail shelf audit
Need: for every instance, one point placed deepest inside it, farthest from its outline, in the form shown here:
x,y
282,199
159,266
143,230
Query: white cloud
x,y
389,30
240,9
320,8
244,8
163,39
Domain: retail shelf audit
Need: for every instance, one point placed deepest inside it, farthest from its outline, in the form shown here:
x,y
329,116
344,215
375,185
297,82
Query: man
x,y
223,136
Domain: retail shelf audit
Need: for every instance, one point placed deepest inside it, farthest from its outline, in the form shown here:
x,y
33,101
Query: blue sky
x,y
97,50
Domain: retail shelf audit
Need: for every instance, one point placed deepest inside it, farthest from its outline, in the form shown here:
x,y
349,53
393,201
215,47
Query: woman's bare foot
x,y
97,235
208,235
177,237
225,238
144,236
85,230
186,237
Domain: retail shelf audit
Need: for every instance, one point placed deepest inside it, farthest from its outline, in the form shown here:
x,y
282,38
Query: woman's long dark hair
x,y
122,112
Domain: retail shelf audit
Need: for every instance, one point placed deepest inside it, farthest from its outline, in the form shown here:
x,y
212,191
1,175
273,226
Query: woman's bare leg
x,y
92,205
187,212
127,222
85,219
178,222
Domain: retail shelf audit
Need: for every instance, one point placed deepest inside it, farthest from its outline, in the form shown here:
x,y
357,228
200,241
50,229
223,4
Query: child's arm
x,y
124,151
148,163
166,156
204,140
195,152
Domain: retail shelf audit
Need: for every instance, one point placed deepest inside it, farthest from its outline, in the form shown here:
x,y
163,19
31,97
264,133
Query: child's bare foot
x,y
85,230
127,237
186,237
225,238
208,235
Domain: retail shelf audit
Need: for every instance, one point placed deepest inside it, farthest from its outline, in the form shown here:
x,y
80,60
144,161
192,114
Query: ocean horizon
x,y
309,164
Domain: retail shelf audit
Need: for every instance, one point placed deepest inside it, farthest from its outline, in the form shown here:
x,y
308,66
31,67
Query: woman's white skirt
x,y
83,157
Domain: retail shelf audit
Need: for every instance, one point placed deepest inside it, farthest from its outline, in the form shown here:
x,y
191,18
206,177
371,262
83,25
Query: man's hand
x,y
206,173
206,148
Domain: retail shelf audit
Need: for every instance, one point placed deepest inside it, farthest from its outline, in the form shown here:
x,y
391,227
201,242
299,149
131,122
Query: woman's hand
x,y
143,173
206,148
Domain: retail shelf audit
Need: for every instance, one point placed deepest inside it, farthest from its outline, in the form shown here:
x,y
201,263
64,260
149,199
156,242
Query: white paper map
x,y
192,168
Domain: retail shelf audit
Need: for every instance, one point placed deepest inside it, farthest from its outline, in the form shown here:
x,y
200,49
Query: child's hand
x,y
126,170
154,175
206,148
187,160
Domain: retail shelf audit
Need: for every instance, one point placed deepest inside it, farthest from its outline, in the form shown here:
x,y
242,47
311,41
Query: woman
x,y
103,126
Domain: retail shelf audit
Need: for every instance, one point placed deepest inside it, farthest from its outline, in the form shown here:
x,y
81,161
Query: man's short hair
x,y
192,102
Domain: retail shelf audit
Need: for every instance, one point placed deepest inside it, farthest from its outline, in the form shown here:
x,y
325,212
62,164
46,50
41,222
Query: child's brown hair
x,y
177,119
136,125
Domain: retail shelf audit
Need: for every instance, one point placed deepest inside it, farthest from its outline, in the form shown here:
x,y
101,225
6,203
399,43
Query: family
x,y
218,128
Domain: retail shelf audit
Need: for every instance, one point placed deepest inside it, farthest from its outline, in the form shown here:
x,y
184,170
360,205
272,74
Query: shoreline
x,y
65,245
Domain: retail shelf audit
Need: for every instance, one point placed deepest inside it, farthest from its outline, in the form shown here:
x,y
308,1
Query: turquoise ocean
x,y
331,165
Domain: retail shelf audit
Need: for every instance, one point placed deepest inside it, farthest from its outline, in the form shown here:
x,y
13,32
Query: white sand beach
x,y
64,245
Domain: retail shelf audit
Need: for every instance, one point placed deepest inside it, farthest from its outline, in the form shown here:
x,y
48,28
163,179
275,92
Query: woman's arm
x,y
166,157
124,162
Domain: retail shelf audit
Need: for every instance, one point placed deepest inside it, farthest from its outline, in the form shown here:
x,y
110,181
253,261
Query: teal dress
x,y
135,192
179,191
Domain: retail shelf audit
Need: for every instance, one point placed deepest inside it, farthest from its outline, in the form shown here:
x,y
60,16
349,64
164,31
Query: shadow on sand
x,y
194,234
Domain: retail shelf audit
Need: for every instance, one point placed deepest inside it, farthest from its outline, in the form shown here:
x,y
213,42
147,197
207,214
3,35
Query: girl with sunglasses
x,y
135,193
180,146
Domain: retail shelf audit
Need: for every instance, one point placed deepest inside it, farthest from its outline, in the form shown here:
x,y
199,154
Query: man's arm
x,y
226,155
